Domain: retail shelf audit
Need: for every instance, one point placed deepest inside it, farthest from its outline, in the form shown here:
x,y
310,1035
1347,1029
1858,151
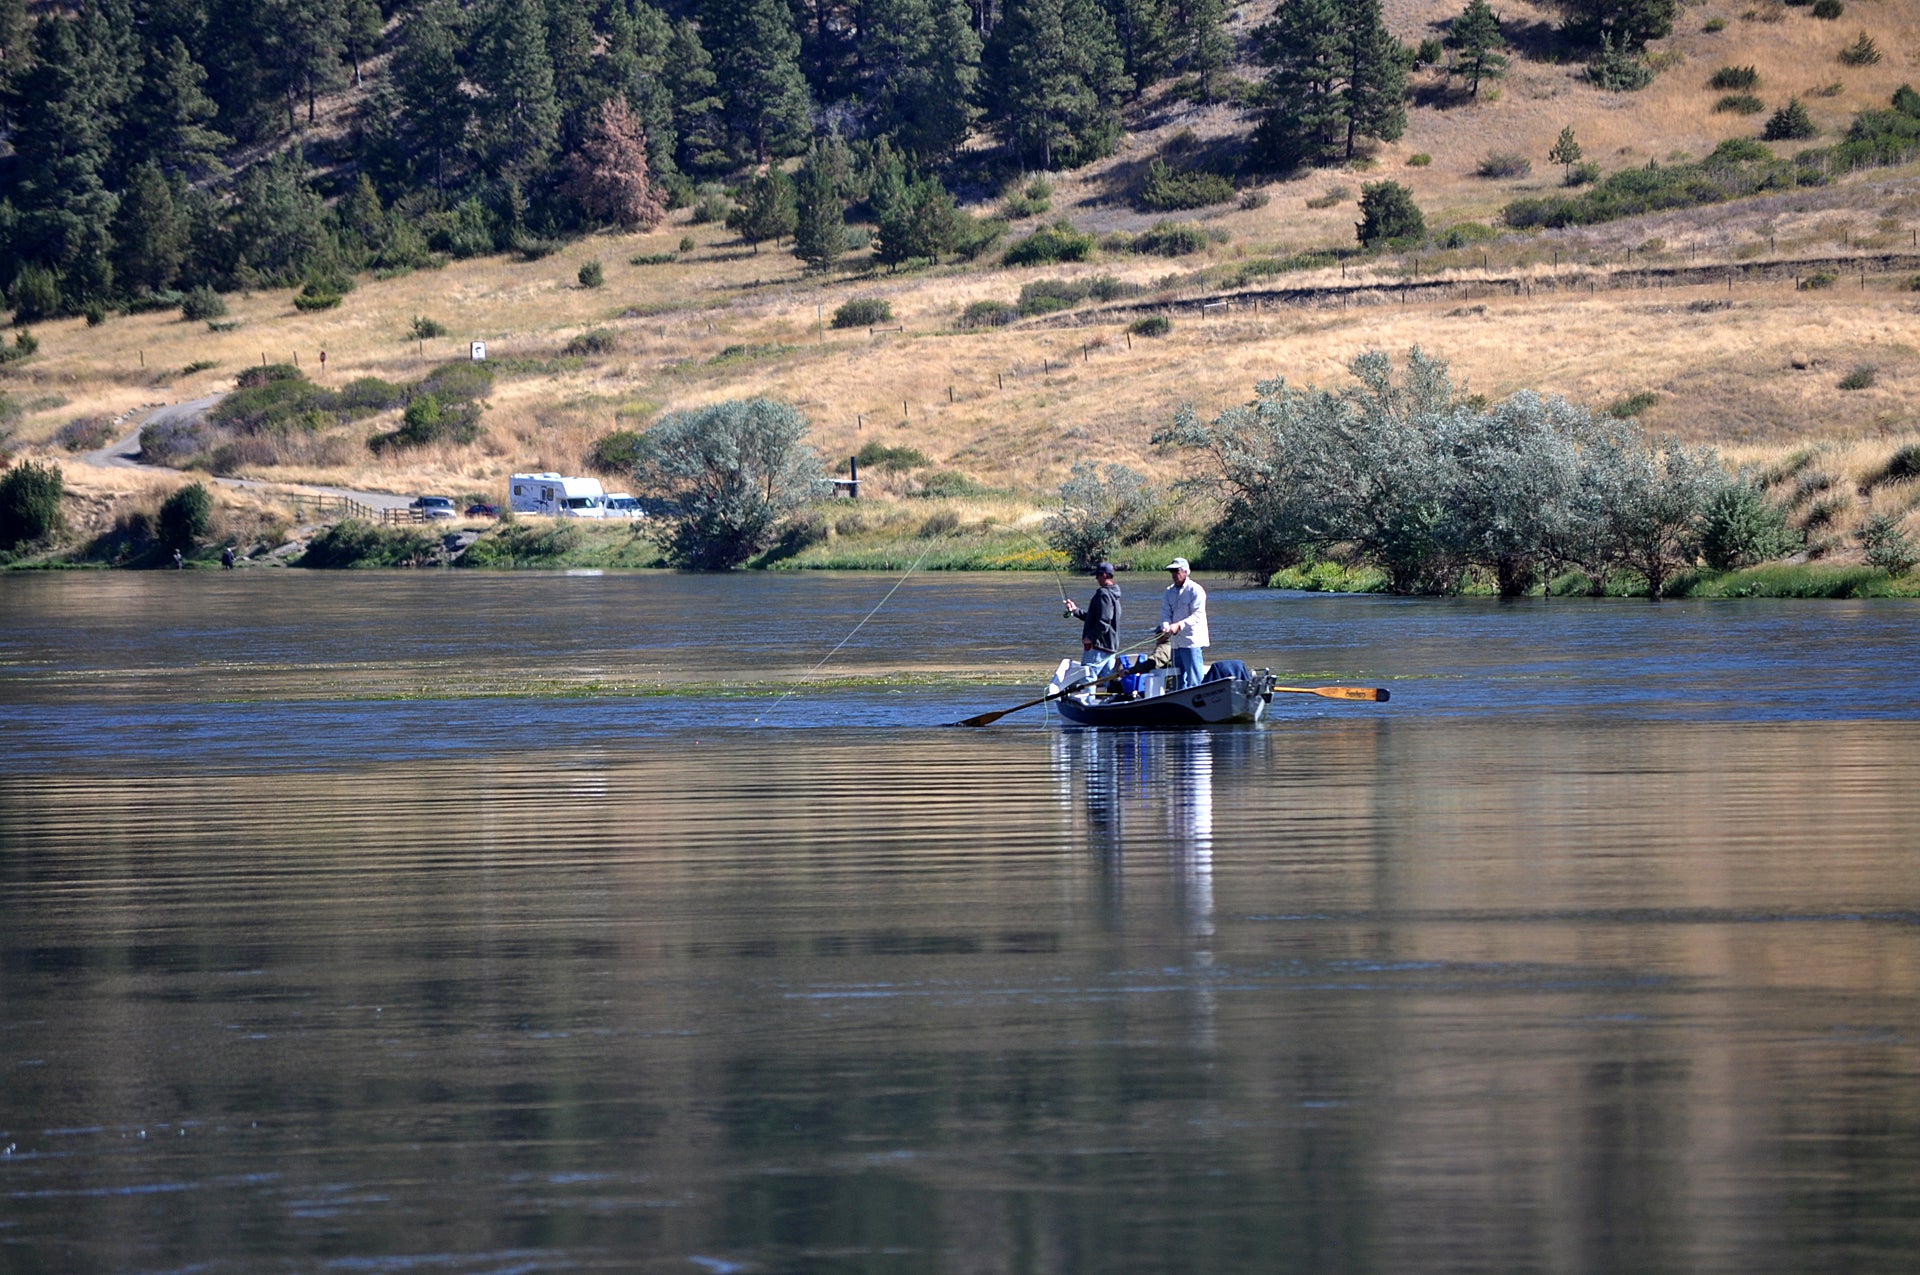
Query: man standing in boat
x,y
1183,622
1100,630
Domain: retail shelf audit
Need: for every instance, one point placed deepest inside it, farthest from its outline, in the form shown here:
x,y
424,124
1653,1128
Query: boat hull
x,y
1228,702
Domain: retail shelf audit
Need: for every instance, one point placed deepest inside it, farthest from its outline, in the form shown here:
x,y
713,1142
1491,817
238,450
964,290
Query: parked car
x,y
621,505
433,506
483,511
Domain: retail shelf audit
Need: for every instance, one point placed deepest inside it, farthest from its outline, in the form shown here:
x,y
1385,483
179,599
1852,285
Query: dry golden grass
x,y
1755,370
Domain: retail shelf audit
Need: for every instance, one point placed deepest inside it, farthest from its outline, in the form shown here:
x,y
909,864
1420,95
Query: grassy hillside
x,y
1801,290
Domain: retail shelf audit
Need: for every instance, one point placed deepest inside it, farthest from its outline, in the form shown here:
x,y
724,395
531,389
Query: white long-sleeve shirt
x,y
1186,605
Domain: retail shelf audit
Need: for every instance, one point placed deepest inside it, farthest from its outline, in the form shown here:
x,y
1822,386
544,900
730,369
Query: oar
x,y
1376,693
988,719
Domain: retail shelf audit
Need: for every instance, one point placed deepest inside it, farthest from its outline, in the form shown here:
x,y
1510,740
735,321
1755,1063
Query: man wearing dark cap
x,y
1100,630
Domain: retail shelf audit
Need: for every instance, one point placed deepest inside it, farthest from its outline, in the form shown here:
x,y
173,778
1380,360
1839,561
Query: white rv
x,y
557,496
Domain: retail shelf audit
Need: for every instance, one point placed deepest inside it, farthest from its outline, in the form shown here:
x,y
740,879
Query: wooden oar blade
x,y
1376,694
983,719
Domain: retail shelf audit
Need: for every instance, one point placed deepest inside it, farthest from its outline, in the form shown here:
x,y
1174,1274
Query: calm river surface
x,y
398,922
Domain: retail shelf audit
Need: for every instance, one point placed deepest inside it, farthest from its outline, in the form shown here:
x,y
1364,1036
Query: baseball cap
x,y
1103,569
1178,564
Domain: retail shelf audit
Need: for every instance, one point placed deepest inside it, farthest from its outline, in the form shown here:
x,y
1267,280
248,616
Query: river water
x,y
445,922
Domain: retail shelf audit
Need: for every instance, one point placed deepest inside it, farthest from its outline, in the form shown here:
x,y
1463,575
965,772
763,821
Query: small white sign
x,y
479,351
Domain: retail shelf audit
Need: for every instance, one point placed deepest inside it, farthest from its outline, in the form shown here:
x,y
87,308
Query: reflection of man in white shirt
x,y
1183,618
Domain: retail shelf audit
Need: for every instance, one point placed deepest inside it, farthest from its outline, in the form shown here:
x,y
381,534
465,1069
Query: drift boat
x,y
1230,694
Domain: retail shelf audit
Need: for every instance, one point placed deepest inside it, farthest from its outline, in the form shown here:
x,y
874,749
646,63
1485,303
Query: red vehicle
x,y
483,511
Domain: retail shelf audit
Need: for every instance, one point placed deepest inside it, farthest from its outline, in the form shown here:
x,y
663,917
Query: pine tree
x,y
1337,75
1566,152
149,232
572,47
694,88
820,229
919,65
1053,76
172,116
1207,47
756,59
611,178
920,223
519,110
1476,35
303,43
279,224
1149,34
62,147
1630,23
426,73
364,24
767,212
634,66
1376,94
1306,56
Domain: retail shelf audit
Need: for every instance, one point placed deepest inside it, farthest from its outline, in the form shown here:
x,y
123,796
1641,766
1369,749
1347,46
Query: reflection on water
x,y
527,983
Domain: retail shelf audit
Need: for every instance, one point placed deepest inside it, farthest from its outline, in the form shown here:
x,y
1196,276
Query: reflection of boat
x,y
1139,698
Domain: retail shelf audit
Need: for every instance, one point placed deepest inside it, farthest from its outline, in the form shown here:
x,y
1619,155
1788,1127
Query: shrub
x,y
352,543
988,314
1058,242
25,346
1151,325
863,312
1252,199
729,476
521,545
686,243
35,295
653,259
1819,279
185,516
425,329
948,484
1046,296
96,314
592,274
1105,287
309,301
1619,69
1095,515
1734,77
1789,123
894,460
1743,527
1465,233
30,497
1388,214
1170,239
593,341
1904,464
1714,25
1828,9
1859,378
1862,52
1168,191
266,374
1740,104
367,394
1334,196
1419,159
1505,164
202,303
615,453
1585,173
1028,199
1886,546
1631,405
85,434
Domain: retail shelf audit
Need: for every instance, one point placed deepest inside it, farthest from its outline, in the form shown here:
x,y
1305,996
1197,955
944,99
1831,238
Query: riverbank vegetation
x,y
210,222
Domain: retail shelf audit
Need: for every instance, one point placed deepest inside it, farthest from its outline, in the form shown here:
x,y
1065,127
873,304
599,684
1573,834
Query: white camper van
x,y
557,496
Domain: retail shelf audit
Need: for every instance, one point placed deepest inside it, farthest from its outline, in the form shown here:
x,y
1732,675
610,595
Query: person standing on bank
x,y
1100,629
1183,622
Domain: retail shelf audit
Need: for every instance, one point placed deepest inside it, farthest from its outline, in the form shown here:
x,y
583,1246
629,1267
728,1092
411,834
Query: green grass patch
x,y
1795,580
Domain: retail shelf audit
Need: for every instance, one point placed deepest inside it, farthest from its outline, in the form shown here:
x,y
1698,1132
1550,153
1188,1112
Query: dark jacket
x,y
1102,626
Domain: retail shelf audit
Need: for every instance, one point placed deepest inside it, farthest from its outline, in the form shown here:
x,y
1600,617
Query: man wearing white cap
x,y
1183,622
